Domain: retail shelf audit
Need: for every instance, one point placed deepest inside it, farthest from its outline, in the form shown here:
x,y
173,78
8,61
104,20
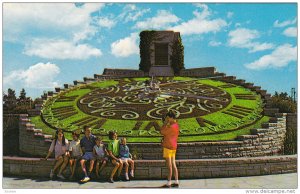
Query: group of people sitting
x,y
90,148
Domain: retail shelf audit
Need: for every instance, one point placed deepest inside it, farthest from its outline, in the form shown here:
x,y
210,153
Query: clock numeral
x,y
202,122
89,121
228,86
66,98
97,124
100,123
238,111
83,121
245,96
64,112
137,125
152,124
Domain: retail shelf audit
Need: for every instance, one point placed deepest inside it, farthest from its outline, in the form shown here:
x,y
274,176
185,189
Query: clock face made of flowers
x,y
138,101
134,107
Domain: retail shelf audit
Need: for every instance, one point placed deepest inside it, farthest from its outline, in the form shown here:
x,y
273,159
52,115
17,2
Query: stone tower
x,y
161,53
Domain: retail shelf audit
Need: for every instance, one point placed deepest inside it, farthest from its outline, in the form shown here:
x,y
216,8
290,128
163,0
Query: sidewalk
x,y
281,181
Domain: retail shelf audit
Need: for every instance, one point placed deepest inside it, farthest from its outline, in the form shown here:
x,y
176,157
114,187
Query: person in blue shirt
x,y
87,144
126,158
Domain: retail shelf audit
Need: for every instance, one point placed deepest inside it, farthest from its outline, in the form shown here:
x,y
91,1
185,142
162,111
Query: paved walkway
x,y
282,181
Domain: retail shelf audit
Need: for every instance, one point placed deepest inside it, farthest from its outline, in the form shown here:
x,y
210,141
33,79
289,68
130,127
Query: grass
x,y
104,84
183,78
78,92
141,78
189,125
115,125
211,82
39,124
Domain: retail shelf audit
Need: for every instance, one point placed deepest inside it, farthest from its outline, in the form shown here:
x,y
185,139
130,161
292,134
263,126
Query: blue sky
x,y
48,44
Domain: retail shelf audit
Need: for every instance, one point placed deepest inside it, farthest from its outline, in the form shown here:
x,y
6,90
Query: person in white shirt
x,y
75,153
100,154
60,147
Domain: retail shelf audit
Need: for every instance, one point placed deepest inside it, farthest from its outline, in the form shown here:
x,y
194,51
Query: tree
x,y
12,104
22,94
177,58
284,96
10,100
146,37
22,100
283,102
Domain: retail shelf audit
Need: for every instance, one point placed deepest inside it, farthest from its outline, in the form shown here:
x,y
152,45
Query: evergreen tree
x,y
22,94
22,100
284,103
9,100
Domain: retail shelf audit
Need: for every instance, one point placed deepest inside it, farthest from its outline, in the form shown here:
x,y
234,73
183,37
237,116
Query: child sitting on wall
x,y
100,154
126,158
75,153
60,147
113,151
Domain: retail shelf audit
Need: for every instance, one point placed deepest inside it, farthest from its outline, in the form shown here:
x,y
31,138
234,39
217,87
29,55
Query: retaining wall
x,y
198,72
31,140
291,120
123,72
10,134
156,169
291,134
265,141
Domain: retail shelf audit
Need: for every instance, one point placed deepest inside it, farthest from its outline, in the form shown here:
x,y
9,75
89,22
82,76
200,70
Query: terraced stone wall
x,y
265,141
32,142
156,169
123,72
198,72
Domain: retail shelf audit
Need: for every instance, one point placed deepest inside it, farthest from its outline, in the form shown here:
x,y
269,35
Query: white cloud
x,y
280,57
214,43
60,49
131,13
229,14
162,20
40,75
255,47
106,22
284,23
244,38
201,23
291,32
237,25
26,19
85,34
205,12
133,16
126,46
